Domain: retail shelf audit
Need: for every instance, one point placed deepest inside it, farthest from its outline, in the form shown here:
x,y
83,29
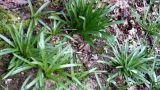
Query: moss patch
x,y
6,17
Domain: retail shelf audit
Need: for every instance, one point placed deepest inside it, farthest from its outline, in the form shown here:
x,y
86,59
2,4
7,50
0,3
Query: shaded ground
x,y
88,57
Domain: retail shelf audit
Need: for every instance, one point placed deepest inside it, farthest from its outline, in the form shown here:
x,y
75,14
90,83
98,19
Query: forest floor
x,y
88,56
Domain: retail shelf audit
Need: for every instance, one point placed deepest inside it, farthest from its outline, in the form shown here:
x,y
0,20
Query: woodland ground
x,y
88,55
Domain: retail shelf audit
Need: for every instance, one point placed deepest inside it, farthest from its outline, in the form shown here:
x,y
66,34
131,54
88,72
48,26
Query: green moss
x,y
25,23
6,17
3,45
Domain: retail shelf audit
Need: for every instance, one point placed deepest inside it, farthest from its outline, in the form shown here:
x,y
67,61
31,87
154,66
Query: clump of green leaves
x,y
30,51
85,18
55,26
153,78
149,24
51,63
21,42
130,64
36,15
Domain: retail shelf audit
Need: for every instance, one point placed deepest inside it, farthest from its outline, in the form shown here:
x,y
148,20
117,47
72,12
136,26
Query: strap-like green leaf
x,y
41,8
7,51
6,40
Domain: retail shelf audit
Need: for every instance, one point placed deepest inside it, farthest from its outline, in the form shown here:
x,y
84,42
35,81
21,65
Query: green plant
x,y
55,28
4,88
52,63
153,78
130,64
55,25
149,24
36,16
20,42
86,19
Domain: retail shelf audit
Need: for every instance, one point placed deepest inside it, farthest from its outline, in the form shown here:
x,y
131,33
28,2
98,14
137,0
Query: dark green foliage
x,y
85,18
130,64
21,43
51,63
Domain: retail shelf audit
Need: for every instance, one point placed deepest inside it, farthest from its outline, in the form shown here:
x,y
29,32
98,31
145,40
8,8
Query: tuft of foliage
x,y
21,42
55,28
149,24
51,63
30,51
85,18
153,78
130,64
36,15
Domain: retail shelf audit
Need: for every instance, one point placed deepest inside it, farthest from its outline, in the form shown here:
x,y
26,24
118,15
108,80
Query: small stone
x,y
132,31
132,88
18,18
8,81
